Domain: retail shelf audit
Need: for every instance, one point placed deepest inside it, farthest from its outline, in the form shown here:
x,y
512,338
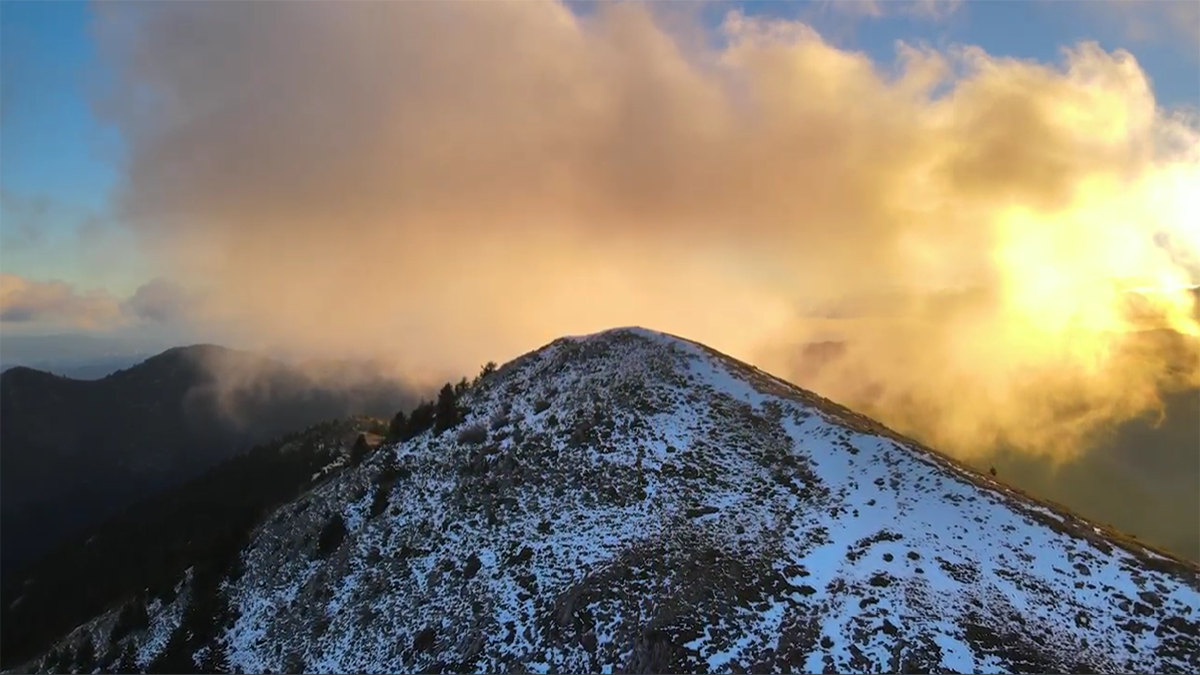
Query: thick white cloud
x,y
161,301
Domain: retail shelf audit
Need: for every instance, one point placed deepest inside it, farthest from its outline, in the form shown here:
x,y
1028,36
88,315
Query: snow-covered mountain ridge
x,y
634,502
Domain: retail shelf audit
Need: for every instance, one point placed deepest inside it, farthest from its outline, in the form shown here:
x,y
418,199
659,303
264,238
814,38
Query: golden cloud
x,y
54,303
448,183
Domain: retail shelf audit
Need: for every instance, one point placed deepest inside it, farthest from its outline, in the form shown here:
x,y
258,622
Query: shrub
x,y
294,663
332,535
380,501
425,640
473,435
384,484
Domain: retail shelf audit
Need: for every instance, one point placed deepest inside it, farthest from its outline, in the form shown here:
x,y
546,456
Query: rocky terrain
x,y
634,502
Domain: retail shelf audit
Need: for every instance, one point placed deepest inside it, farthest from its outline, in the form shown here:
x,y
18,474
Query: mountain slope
x,y
140,553
1142,475
634,502
76,451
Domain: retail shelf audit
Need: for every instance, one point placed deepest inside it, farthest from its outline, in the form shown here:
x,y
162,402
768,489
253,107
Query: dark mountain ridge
x,y
139,553
76,451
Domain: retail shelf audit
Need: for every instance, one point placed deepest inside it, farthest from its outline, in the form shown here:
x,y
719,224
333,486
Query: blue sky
x,y
60,164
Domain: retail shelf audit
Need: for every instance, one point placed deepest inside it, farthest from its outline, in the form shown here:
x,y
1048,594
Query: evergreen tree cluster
x,y
445,413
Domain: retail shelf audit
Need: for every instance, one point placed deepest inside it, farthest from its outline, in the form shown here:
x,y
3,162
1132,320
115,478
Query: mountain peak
x,y
630,501
196,354
636,331
26,373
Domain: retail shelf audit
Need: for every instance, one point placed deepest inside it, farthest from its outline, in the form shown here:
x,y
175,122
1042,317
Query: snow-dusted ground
x,y
140,644
644,504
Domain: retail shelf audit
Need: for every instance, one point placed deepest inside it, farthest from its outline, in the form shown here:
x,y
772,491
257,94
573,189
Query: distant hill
x,y
76,451
74,348
81,369
78,356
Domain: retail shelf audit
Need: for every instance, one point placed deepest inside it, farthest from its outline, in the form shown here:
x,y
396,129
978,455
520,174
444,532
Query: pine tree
x,y
419,421
446,416
488,369
359,451
398,425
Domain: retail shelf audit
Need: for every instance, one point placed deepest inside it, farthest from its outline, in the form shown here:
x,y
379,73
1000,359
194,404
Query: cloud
x,y
878,9
1154,21
448,183
54,303
23,218
161,301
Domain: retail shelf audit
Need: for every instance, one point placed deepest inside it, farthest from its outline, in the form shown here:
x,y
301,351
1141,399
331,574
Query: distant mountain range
x,y
76,355
76,451
83,369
